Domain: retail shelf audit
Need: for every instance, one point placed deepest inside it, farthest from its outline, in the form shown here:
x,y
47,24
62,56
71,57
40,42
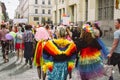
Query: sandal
x,y
6,60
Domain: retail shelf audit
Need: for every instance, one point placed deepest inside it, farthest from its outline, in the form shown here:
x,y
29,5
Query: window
x,y
105,9
43,20
72,14
43,2
86,14
36,18
62,1
63,10
60,14
49,2
49,11
43,11
38,23
36,1
55,15
99,9
49,19
36,11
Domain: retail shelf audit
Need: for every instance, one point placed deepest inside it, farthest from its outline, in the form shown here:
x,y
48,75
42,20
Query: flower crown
x,y
87,28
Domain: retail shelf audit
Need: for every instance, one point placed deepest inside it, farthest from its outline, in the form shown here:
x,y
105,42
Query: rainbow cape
x,y
38,60
53,52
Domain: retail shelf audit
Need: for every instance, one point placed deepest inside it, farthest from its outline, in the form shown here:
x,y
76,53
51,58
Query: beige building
x,y
63,8
36,11
74,9
80,11
0,13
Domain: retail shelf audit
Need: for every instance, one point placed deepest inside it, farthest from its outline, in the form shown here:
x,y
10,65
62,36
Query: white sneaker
x,y
18,62
14,51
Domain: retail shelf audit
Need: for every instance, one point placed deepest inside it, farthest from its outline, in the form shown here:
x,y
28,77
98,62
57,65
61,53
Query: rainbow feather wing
x,y
90,62
53,50
38,53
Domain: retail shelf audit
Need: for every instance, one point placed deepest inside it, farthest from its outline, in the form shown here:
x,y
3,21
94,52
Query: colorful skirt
x,y
59,72
90,63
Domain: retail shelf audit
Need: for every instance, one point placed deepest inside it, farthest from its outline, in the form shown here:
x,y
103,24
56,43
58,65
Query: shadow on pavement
x,y
10,55
9,67
2,63
20,70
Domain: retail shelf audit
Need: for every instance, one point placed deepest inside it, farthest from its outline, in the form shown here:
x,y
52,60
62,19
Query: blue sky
x,y
11,5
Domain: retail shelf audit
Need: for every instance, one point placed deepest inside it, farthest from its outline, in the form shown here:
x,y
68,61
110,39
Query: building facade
x,y
36,11
0,13
80,11
3,13
74,9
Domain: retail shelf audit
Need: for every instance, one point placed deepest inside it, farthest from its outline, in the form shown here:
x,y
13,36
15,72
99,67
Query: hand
x,y
109,55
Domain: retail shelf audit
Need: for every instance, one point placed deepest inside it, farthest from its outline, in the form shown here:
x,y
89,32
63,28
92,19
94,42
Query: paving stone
x,y
13,71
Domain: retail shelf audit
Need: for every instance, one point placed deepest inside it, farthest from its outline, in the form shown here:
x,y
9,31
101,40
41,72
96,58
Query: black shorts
x,y
115,59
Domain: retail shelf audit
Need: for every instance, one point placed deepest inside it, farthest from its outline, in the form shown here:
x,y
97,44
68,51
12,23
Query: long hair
x,y
87,36
97,27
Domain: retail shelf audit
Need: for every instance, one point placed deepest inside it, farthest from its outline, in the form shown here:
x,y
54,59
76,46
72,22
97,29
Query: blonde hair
x,y
62,32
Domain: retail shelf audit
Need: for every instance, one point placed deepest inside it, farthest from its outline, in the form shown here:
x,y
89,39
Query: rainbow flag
x,y
38,60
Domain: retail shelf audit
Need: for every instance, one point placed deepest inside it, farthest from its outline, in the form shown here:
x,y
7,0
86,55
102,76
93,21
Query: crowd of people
x,y
57,51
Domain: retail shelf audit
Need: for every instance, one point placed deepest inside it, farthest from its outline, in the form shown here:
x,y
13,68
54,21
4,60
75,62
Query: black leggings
x,y
5,48
30,61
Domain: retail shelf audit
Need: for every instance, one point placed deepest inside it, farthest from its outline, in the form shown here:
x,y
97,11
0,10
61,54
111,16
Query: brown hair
x,y
3,26
47,27
118,20
28,27
86,36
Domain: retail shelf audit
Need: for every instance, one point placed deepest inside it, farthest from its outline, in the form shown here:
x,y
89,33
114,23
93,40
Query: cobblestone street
x,y
13,71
